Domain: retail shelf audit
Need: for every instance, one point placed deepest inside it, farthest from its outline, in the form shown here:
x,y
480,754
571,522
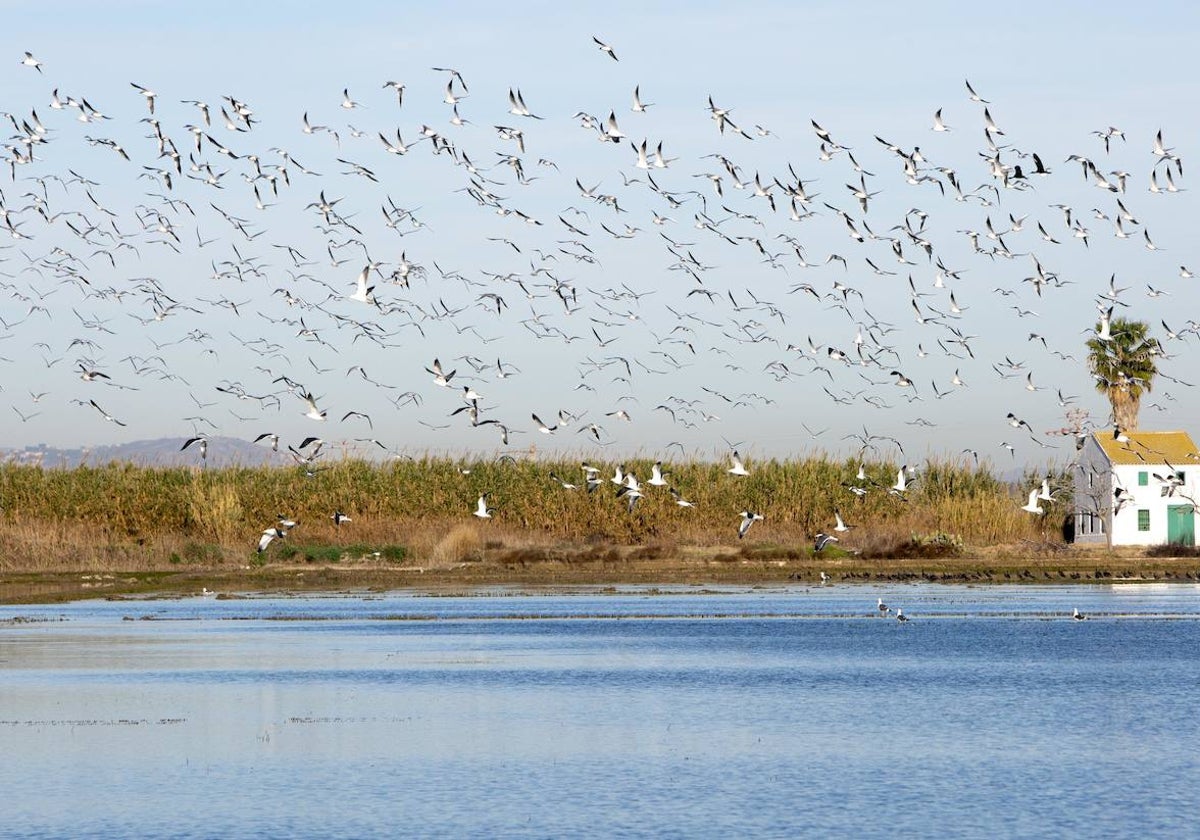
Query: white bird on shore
x,y
1077,615
884,609
900,616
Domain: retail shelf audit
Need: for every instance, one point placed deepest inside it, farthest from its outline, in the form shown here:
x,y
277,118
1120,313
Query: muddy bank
x,y
570,567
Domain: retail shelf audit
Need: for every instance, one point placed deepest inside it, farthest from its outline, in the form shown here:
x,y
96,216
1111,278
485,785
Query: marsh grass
x,y
133,517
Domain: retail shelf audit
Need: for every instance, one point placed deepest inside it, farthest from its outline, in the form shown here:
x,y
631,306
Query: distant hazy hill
x,y
222,452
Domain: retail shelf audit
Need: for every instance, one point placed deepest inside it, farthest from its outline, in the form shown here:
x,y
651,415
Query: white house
x,y
1138,491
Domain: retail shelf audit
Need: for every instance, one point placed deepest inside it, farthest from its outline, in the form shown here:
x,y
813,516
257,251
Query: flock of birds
x,y
183,254
885,610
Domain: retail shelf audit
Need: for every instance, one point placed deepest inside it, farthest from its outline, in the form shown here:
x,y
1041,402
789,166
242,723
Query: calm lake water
x,y
777,712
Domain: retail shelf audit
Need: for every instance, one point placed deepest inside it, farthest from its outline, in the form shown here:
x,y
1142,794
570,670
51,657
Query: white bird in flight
x,y
482,510
1032,505
738,467
748,519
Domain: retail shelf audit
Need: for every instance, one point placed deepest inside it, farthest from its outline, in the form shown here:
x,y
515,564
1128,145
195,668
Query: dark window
x,y
1143,520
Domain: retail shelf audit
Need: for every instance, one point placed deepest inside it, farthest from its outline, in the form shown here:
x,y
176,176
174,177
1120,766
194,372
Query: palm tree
x,y
1122,361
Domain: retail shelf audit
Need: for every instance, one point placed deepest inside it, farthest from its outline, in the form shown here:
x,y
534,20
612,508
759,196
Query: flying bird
x,y
482,511
748,519
268,535
738,467
604,48
823,540
1032,505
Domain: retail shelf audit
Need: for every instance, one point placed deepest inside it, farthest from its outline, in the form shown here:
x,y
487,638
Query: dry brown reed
x,y
122,516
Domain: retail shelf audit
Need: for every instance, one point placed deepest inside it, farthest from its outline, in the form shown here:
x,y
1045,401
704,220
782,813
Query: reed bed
x,y
124,516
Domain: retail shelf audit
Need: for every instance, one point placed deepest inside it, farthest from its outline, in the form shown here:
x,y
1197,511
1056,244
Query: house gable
x,y
1136,492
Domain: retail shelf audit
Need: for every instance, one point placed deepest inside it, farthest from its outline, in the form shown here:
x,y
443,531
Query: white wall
x,y
1122,527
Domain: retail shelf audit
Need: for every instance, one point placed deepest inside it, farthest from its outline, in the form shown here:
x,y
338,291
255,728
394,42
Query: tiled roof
x,y
1175,448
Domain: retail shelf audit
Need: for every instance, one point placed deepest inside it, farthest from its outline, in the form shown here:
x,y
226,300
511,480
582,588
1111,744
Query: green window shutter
x,y
1143,478
1143,520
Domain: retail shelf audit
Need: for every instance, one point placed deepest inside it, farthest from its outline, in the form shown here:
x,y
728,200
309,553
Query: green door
x,y
1181,525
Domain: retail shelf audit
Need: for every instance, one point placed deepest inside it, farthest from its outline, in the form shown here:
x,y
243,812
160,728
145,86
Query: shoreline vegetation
x,y
122,529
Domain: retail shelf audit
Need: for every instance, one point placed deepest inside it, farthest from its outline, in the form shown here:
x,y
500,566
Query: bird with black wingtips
x,y
738,467
269,436
203,442
680,501
268,535
440,377
840,525
604,48
822,541
748,519
482,511
313,412
631,490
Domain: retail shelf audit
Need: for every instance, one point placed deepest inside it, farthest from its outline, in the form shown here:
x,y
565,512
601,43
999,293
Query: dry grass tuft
x,y
461,544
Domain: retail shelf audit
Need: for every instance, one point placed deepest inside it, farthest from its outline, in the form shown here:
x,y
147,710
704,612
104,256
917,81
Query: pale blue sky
x,y
1053,74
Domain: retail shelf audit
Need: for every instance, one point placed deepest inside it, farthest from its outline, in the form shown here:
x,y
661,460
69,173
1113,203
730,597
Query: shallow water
x,y
676,712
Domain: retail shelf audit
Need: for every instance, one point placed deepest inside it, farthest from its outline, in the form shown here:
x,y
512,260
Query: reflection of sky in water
x,y
785,716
